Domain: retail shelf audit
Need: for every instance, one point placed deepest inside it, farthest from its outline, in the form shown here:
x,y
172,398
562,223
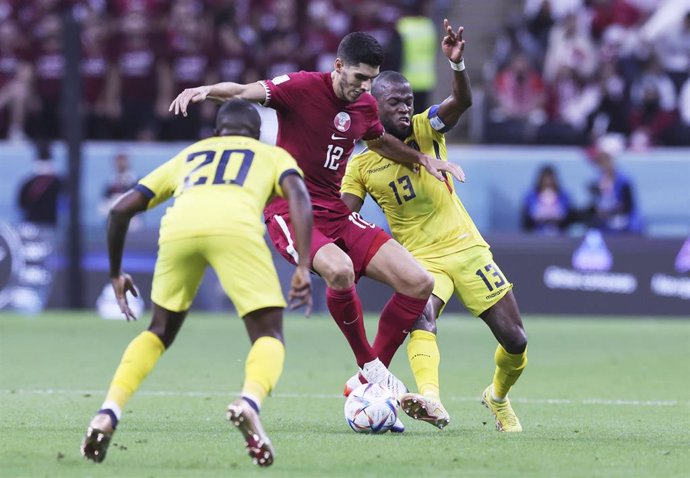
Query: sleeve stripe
x,y
145,191
286,173
268,93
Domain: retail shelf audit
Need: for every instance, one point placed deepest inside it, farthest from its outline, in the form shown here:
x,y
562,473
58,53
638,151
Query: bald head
x,y
386,80
238,117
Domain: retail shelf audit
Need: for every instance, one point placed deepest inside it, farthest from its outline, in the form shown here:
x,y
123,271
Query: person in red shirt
x,y
320,118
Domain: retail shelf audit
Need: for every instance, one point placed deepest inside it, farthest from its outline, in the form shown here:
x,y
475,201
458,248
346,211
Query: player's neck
x,y
335,84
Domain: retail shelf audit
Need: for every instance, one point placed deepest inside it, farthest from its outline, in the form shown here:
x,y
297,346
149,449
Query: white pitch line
x,y
536,401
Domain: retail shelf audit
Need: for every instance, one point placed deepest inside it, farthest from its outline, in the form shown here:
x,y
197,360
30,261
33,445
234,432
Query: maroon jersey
x,y
320,131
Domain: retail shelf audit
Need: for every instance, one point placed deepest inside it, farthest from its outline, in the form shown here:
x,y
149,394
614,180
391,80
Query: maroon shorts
x,y
359,239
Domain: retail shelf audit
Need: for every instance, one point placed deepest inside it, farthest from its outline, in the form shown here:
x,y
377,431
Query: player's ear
x,y
338,65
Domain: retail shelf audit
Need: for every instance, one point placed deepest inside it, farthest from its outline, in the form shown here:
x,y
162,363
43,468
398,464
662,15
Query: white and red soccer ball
x,y
371,408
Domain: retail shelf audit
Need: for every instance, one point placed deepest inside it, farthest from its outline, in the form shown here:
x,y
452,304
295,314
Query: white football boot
x,y
376,372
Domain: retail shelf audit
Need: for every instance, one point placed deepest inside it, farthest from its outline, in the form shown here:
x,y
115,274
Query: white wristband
x,y
459,66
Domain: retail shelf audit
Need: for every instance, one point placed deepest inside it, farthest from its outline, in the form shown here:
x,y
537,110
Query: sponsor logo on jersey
x,y
342,121
379,169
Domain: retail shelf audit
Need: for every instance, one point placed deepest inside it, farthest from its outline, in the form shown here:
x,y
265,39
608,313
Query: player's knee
x,y
516,341
339,275
421,285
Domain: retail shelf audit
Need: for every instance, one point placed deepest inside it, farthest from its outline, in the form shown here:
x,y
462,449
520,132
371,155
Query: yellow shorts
x,y
243,266
472,275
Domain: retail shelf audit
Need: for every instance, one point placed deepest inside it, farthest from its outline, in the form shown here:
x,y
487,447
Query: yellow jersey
x,y
424,214
220,185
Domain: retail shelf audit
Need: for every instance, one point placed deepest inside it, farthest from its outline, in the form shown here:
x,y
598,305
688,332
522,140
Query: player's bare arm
x,y
120,215
391,147
453,46
354,203
301,216
220,92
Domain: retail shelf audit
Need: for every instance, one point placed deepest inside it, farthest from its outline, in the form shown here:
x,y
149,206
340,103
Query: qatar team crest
x,y
342,121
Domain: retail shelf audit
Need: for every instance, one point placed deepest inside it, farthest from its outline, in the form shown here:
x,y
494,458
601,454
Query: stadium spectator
x,y
15,78
188,62
232,58
123,179
39,195
139,82
547,209
321,39
49,70
519,102
653,114
682,135
97,76
612,113
573,98
613,208
570,47
279,56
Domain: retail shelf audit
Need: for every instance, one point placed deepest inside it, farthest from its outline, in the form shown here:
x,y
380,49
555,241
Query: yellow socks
x,y
424,358
263,369
138,360
508,369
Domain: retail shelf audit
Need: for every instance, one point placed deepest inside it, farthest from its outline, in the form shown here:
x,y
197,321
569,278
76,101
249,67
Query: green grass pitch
x,y
599,398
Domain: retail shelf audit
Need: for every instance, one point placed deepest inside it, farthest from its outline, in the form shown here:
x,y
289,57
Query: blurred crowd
x,y
570,71
562,72
136,55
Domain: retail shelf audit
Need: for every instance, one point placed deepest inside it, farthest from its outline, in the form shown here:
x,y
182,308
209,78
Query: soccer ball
x,y
370,408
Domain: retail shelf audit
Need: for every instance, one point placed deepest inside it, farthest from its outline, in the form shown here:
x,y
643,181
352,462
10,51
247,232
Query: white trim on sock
x,y
253,398
493,396
111,405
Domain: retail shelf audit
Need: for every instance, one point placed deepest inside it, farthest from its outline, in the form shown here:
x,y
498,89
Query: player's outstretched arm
x,y
392,148
301,218
460,100
119,216
220,92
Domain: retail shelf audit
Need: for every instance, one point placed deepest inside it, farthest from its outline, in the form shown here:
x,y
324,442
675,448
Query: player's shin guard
x,y
424,358
397,318
263,369
139,358
346,309
509,367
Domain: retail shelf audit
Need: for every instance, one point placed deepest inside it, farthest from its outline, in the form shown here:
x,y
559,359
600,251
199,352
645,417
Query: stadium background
x,y
550,80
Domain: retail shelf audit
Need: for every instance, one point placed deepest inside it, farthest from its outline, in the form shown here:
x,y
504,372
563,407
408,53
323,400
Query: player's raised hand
x,y
189,95
452,44
300,290
436,168
122,284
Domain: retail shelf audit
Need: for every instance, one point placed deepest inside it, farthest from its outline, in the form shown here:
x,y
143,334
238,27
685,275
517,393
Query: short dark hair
x,y
360,47
238,116
388,77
